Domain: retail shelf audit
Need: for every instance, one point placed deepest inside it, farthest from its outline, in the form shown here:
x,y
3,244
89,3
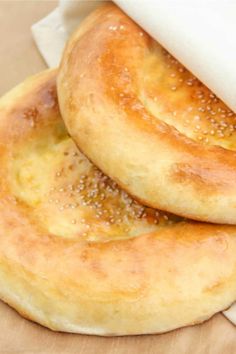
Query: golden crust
x,y
77,254
154,128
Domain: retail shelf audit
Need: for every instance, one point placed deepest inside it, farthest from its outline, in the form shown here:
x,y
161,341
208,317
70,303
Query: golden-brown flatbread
x,y
78,254
146,121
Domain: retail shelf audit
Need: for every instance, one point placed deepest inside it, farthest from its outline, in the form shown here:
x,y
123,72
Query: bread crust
x,y
167,274
155,129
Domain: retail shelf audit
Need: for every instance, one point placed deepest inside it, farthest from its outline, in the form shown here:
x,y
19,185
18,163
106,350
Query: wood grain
x,y
19,58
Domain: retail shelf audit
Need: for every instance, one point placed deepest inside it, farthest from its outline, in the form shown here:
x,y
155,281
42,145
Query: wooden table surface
x,y
18,59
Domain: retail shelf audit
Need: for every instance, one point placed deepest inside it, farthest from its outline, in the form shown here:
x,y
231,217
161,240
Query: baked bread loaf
x,y
77,254
146,121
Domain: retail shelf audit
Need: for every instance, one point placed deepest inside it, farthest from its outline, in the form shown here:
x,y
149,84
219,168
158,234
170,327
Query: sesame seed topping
x,y
112,28
189,106
92,200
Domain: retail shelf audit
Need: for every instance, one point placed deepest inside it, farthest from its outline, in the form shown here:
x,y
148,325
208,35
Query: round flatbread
x,y
155,129
78,254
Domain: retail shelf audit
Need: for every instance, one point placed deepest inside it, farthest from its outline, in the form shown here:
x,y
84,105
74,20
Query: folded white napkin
x,y
201,34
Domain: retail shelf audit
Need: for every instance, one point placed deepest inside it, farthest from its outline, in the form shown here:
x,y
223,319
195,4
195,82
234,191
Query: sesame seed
x,y
112,28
